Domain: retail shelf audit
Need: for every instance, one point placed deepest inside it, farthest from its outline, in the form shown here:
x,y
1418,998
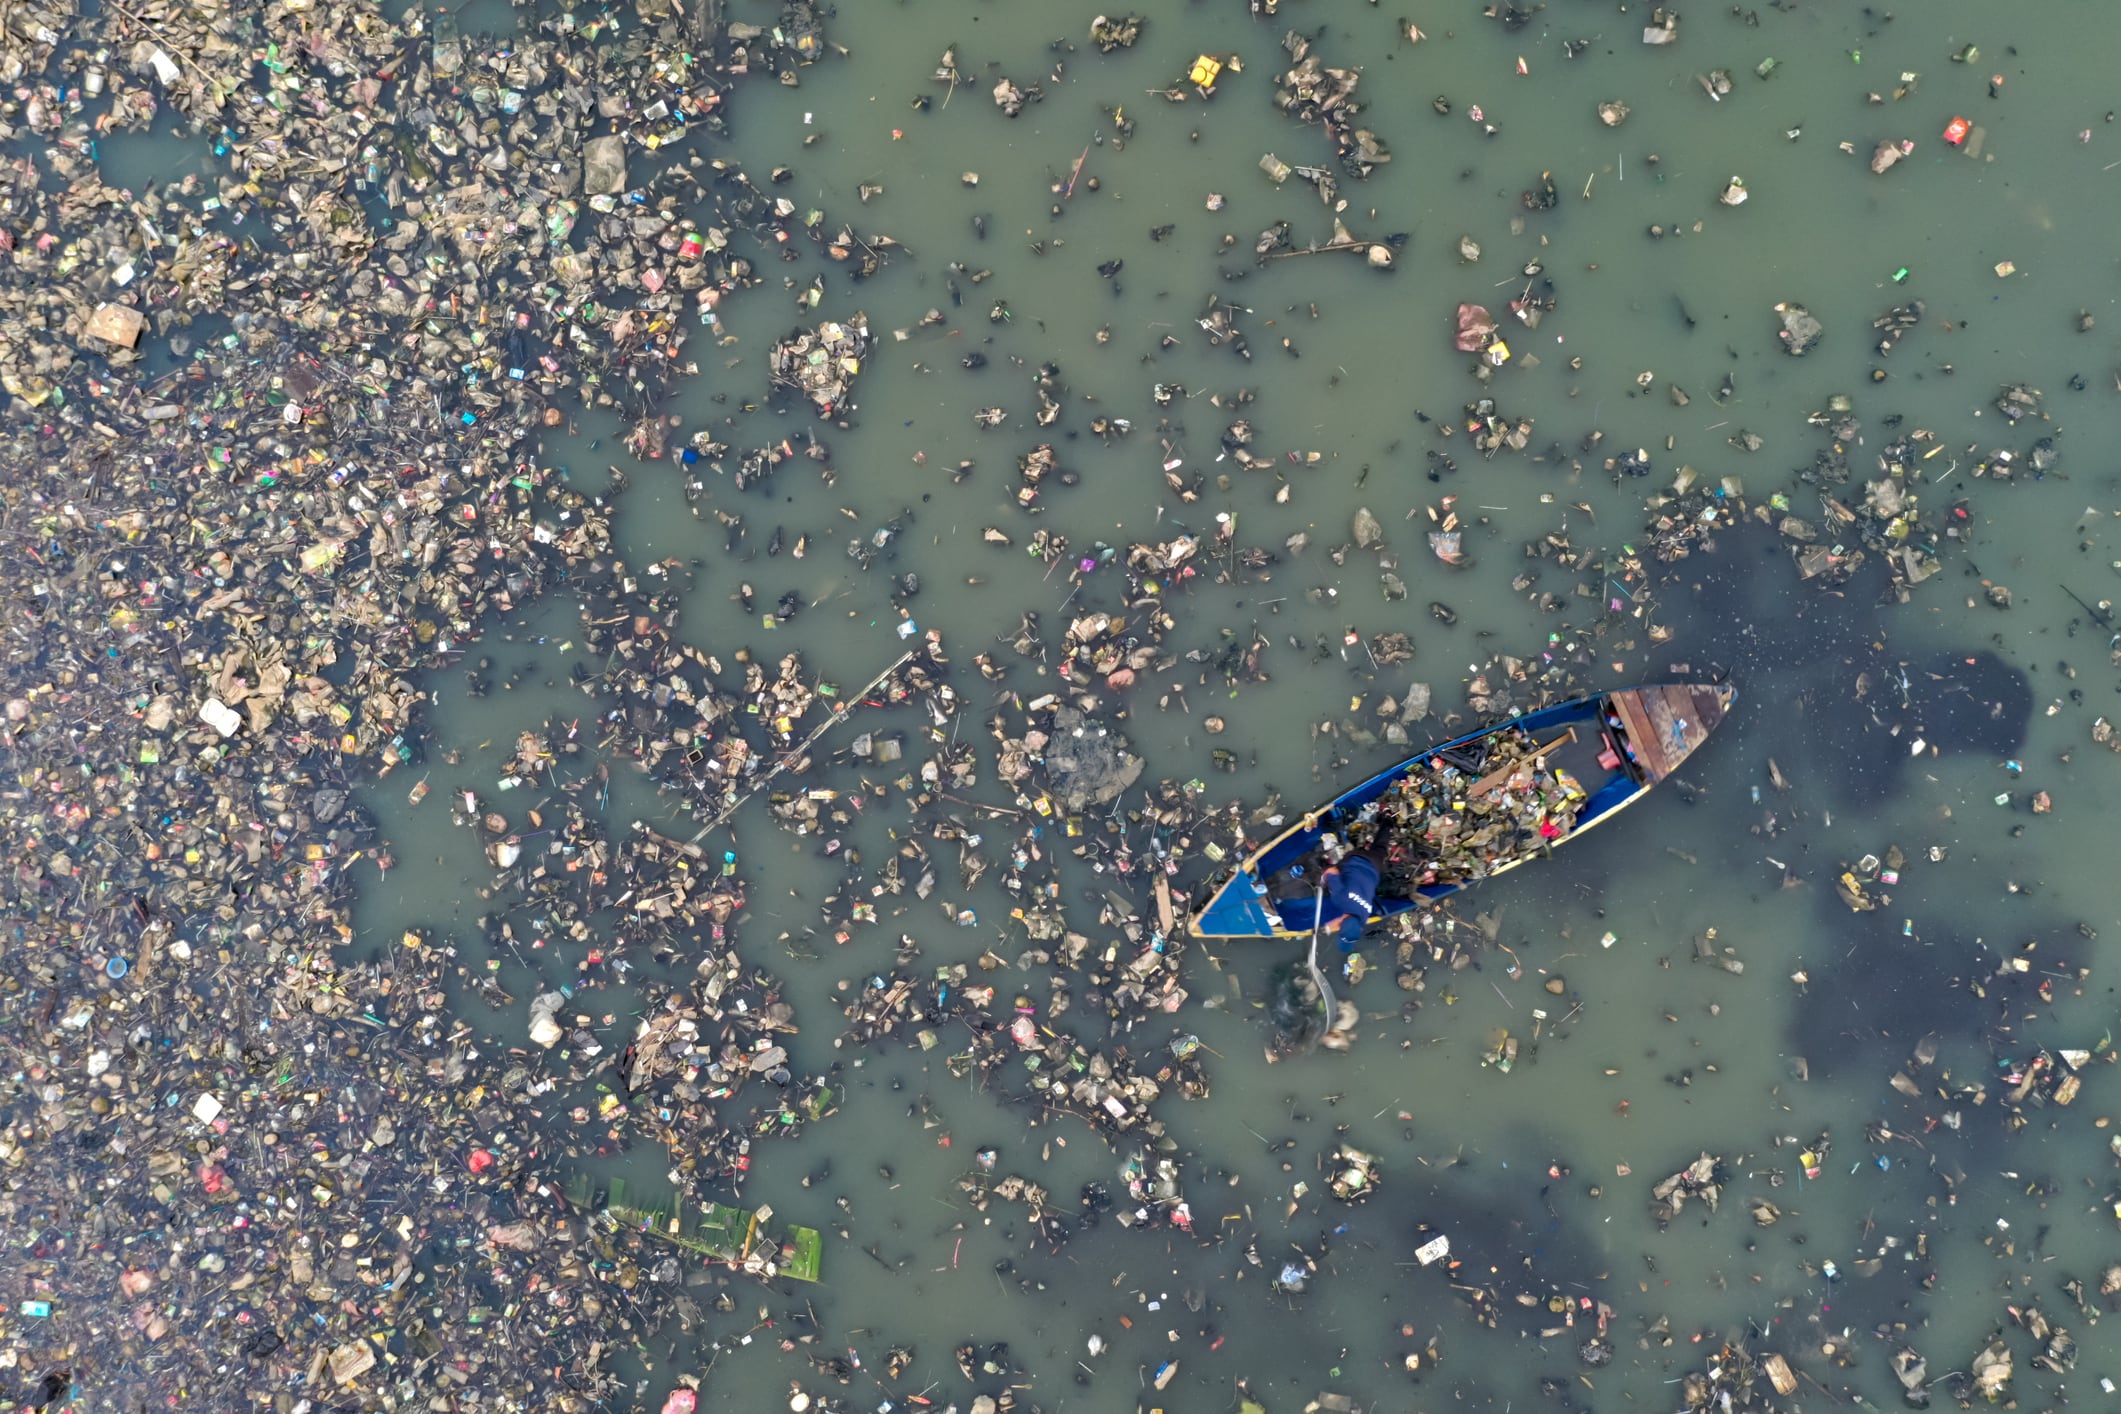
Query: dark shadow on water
x,y
1971,703
1880,991
1839,696
1517,1221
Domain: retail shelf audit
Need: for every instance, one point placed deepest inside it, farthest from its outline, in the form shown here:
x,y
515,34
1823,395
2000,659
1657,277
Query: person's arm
x,y
1325,887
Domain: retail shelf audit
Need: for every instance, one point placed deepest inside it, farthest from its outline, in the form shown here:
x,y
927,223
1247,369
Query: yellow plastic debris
x,y
1206,69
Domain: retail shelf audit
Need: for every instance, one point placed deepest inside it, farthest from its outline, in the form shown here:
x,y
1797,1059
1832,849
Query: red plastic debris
x,y
1956,130
480,1161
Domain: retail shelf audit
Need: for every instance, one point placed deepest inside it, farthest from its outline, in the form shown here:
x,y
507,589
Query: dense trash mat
x,y
275,452
277,463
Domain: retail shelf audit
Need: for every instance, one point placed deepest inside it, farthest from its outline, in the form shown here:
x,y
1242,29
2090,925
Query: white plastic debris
x,y
545,1028
220,716
206,1109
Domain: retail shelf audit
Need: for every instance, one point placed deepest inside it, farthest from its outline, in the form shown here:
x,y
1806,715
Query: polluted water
x,y
633,631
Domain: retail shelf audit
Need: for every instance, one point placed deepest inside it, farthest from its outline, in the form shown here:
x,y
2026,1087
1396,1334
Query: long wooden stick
x,y
1323,249
1076,172
174,48
844,711
2101,617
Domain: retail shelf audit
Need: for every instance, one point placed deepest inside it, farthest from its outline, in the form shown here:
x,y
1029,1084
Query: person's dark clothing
x,y
1351,889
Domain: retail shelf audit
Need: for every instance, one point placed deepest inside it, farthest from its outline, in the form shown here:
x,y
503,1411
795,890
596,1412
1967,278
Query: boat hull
x,y
1640,736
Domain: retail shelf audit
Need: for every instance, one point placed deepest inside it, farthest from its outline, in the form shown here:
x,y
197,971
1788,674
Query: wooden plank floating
x,y
747,1240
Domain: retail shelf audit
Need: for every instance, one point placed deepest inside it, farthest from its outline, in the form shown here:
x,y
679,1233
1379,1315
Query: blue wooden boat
x,y
1607,751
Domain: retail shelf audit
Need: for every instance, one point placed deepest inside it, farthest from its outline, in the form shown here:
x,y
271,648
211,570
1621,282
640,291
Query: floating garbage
x,y
1799,329
118,325
1369,534
1313,93
1476,329
1109,34
1352,1174
1889,153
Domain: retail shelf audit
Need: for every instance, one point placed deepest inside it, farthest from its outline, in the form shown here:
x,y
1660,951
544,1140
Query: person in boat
x,y
1350,896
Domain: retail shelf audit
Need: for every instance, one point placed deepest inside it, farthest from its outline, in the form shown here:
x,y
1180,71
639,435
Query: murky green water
x,y
1649,1057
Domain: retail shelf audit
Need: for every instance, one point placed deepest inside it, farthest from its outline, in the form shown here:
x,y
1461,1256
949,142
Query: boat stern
x,y
1669,722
